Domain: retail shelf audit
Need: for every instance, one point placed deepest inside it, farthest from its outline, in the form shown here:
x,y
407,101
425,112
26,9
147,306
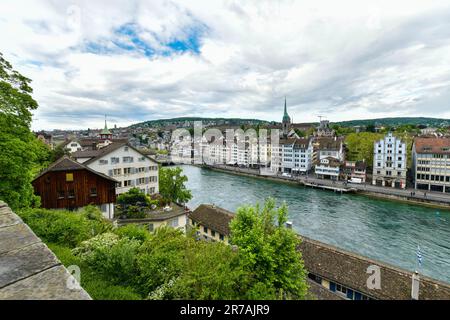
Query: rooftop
x,y
213,217
432,145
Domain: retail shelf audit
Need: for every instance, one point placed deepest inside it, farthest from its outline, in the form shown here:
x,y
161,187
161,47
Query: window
x,y
150,227
151,190
61,194
125,149
115,160
205,229
127,170
71,194
213,233
221,237
141,159
127,183
142,169
128,159
140,181
117,172
103,162
93,192
174,222
69,177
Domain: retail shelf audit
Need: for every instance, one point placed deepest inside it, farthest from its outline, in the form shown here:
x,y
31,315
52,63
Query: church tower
x,y
286,123
105,134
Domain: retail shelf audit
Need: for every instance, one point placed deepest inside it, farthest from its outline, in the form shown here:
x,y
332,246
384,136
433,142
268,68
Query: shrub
x,y
63,227
111,256
133,231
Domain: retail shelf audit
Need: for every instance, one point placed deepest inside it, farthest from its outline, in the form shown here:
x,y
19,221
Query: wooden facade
x,y
74,188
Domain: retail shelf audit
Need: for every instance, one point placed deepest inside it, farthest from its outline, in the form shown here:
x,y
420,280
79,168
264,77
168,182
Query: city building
x,y
212,223
326,147
324,129
293,155
389,162
67,184
124,163
431,164
355,171
328,168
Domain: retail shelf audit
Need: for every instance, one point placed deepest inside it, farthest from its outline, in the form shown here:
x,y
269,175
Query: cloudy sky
x,y
144,60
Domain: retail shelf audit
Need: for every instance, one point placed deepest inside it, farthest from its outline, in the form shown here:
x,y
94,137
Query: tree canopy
x,y
21,154
172,186
268,252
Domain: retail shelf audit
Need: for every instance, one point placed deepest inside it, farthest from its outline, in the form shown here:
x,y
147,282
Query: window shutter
x,y
132,183
137,182
146,180
147,169
110,172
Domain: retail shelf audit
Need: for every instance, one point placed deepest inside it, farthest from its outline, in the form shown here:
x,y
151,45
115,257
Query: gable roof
x,y
215,218
329,143
66,164
110,148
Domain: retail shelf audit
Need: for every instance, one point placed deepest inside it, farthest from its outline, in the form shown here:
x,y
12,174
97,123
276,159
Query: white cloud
x,y
342,59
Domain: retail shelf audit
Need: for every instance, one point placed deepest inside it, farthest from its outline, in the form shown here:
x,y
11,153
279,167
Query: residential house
x,y
124,163
325,147
67,184
294,155
431,164
212,223
355,171
328,168
389,162
176,218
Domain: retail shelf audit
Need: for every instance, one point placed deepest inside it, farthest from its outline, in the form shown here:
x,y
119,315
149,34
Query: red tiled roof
x,y
432,145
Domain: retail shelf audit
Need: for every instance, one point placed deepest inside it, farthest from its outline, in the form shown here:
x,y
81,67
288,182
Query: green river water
x,y
385,230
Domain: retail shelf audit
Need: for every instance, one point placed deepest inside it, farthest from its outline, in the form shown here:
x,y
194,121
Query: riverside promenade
x,y
435,199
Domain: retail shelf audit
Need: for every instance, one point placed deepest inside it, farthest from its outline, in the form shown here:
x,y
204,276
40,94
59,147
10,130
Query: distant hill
x,y
429,122
206,121
188,121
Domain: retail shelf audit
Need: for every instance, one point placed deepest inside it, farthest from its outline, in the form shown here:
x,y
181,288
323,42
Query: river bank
x,y
431,200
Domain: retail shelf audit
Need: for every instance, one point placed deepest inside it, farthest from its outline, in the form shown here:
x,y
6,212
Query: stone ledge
x,y
28,269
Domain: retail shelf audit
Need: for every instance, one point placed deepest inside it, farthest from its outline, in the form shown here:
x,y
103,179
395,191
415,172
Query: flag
x,y
419,256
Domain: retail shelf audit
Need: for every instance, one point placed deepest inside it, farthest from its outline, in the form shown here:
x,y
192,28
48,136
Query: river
x,y
385,230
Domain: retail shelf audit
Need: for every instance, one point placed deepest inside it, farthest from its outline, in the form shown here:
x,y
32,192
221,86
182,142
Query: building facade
x,y
389,162
67,184
431,164
328,168
127,165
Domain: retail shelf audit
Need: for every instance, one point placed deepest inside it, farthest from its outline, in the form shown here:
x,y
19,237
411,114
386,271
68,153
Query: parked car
x,y
285,174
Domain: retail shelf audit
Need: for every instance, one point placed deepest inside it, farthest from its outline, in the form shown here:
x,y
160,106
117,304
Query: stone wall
x,y
28,269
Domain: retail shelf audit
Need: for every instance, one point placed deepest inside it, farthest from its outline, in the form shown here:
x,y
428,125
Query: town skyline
x,y
139,61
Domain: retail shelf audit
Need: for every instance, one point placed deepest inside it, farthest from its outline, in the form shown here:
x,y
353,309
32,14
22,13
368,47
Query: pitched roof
x,y
66,164
215,218
432,145
328,143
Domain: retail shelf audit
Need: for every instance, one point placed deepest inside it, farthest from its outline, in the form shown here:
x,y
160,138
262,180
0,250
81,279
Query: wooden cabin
x,y
67,184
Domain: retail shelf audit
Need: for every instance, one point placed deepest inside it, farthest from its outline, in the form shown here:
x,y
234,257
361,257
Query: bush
x,y
133,231
111,256
65,227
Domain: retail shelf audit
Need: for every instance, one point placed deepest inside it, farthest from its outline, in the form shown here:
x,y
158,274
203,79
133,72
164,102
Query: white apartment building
x,y
125,164
326,147
389,162
293,155
431,164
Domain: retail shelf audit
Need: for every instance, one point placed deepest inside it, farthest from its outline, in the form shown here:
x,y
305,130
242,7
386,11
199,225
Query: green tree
x,y
59,151
20,151
360,146
172,186
269,253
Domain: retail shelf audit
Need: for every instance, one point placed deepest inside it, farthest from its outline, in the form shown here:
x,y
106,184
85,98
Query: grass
x,y
96,285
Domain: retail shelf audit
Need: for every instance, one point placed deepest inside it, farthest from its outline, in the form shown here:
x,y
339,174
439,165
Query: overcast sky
x,y
145,60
